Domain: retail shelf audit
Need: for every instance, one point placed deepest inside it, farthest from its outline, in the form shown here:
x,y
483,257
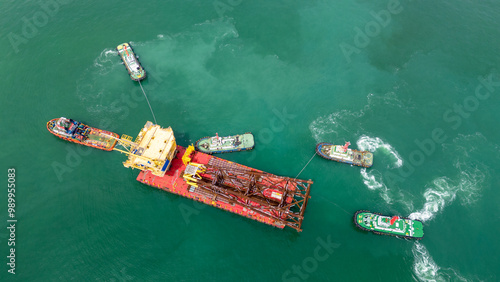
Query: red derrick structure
x,y
282,200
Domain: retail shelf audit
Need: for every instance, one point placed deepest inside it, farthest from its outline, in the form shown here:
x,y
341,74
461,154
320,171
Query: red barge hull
x,y
173,182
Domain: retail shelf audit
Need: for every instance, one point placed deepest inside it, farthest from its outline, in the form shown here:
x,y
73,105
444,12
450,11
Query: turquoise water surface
x,y
415,82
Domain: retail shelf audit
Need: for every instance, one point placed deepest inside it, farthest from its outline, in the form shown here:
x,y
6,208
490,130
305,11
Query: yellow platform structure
x,y
153,149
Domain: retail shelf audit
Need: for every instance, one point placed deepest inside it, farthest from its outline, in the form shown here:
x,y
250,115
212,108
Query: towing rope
x,y
335,204
148,102
320,195
305,165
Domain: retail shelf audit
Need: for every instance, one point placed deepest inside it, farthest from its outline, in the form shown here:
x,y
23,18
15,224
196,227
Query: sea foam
x,y
426,269
367,143
443,191
103,64
424,266
372,178
336,123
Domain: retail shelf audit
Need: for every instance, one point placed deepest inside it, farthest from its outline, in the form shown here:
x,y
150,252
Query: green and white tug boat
x,y
131,62
386,225
234,143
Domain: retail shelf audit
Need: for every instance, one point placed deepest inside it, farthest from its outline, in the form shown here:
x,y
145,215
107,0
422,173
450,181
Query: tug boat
x,y
134,68
386,225
234,143
77,132
345,155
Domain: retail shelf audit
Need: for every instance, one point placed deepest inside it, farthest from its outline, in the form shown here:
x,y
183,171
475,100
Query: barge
x,y
274,200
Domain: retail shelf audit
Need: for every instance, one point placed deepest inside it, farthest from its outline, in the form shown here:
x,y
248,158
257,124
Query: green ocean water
x,y
415,82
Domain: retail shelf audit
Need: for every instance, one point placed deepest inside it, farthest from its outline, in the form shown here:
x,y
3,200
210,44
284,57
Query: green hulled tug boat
x,y
131,62
234,143
344,155
386,225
